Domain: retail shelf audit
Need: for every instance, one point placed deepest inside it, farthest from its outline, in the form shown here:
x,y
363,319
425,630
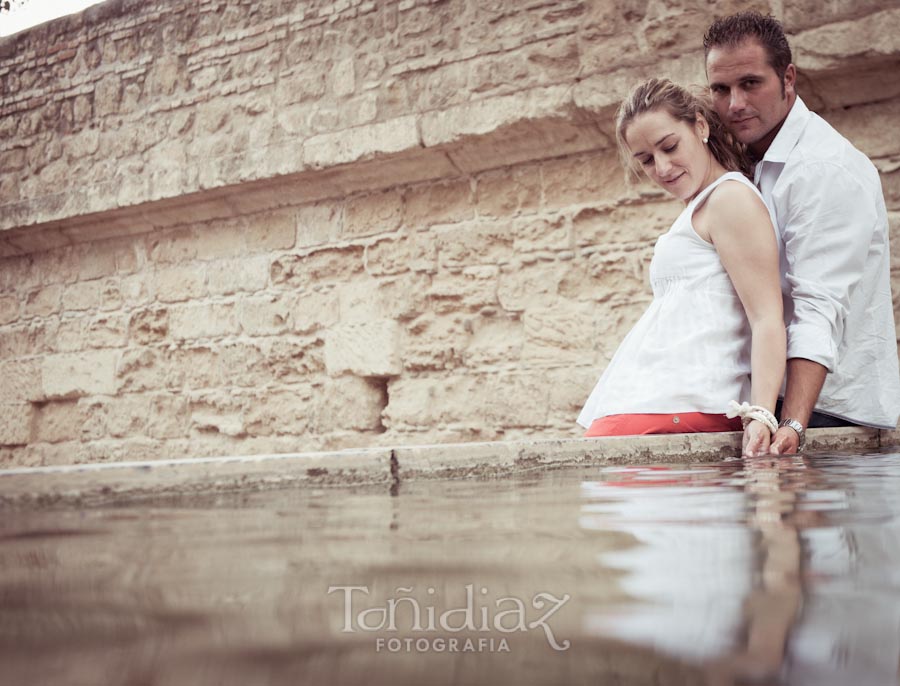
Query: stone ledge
x,y
106,483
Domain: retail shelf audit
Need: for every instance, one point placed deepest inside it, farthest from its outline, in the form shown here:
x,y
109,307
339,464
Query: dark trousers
x,y
818,420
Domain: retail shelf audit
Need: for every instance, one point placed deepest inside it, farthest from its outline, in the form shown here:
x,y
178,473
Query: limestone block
x,y
220,238
452,123
107,95
22,340
294,118
673,34
54,265
58,421
165,74
17,274
890,184
83,295
149,325
478,242
508,192
433,402
349,403
249,274
362,142
343,78
563,334
864,127
207,320
299,86
541,233
403,297
373,213
611,323
173,245
324,266
281,412
615,277
584,179
21,380
141,369
365,349
411,252
179,282
196,367
68,335
496,340
805,14
99,259
218,413
15,423
318,224
82,109
124,416
605,225
271,231
569,389
498,74
12,160
122,450
315,310
9,309
266,315
105,331
438,203
83,144
472,289
515,400
169,417
834,45
85,373
282,360
525,285
435,343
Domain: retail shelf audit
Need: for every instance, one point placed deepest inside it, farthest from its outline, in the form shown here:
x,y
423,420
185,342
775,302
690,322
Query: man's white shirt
x,y
826,201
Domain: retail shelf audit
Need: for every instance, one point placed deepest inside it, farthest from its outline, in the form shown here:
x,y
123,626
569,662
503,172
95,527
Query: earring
x,y
706,140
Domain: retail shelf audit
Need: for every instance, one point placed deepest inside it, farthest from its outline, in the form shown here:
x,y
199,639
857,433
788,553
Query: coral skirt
x,y
681,423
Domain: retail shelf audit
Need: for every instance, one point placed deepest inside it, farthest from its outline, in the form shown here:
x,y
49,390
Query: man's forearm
x,y
804,382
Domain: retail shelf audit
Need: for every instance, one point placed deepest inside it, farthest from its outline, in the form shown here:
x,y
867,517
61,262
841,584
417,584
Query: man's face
x,y
747,93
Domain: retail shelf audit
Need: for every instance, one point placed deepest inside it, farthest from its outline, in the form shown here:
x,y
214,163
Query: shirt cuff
x,y
813,343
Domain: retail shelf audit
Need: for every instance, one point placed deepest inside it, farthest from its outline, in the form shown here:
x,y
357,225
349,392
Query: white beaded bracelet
x,y
748,412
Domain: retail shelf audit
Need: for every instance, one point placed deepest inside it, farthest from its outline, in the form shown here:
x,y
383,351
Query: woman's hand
x,y
756,439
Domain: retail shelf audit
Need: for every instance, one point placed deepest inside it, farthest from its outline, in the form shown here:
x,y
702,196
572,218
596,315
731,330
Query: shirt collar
x,y
789,133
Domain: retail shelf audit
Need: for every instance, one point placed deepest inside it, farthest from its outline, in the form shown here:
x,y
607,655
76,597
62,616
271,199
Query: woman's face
x,y
671,152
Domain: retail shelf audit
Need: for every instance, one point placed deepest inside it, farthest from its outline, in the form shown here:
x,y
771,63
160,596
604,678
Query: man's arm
x,y
828,229
804,381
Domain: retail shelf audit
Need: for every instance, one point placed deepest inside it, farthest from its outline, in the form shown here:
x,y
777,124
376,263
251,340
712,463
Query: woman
x,y
714,332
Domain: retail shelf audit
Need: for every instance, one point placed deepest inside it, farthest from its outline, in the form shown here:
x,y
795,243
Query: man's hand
x,y
756,439
784,442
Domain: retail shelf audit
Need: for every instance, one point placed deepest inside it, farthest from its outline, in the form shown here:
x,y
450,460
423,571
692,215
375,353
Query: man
x,y
826,200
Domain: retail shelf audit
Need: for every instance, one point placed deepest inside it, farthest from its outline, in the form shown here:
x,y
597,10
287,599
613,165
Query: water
x,y
760,571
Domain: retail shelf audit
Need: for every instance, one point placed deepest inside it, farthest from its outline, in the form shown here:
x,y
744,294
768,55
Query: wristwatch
x,y
798,427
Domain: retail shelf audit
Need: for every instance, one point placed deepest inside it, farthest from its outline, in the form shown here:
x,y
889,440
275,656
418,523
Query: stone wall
x,y
232,228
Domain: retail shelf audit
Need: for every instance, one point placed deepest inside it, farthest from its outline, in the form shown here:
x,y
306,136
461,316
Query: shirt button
x,y
675,419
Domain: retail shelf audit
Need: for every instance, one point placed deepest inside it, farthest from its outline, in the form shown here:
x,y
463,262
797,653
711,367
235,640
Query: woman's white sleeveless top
x,y
690,351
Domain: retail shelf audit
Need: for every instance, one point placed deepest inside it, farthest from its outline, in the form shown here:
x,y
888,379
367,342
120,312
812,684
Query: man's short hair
x,y
734,29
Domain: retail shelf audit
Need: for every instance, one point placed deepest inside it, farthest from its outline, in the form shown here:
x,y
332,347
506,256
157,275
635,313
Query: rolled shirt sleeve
x,y
827,235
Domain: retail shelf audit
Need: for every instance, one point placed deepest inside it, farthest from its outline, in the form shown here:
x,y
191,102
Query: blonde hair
x,y
681,104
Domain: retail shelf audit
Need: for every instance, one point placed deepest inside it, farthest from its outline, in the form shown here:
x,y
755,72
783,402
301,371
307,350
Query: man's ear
x,y
790,80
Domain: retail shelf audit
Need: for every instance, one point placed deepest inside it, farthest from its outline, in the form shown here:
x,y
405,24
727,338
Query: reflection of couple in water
x,y
784,221
765,570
